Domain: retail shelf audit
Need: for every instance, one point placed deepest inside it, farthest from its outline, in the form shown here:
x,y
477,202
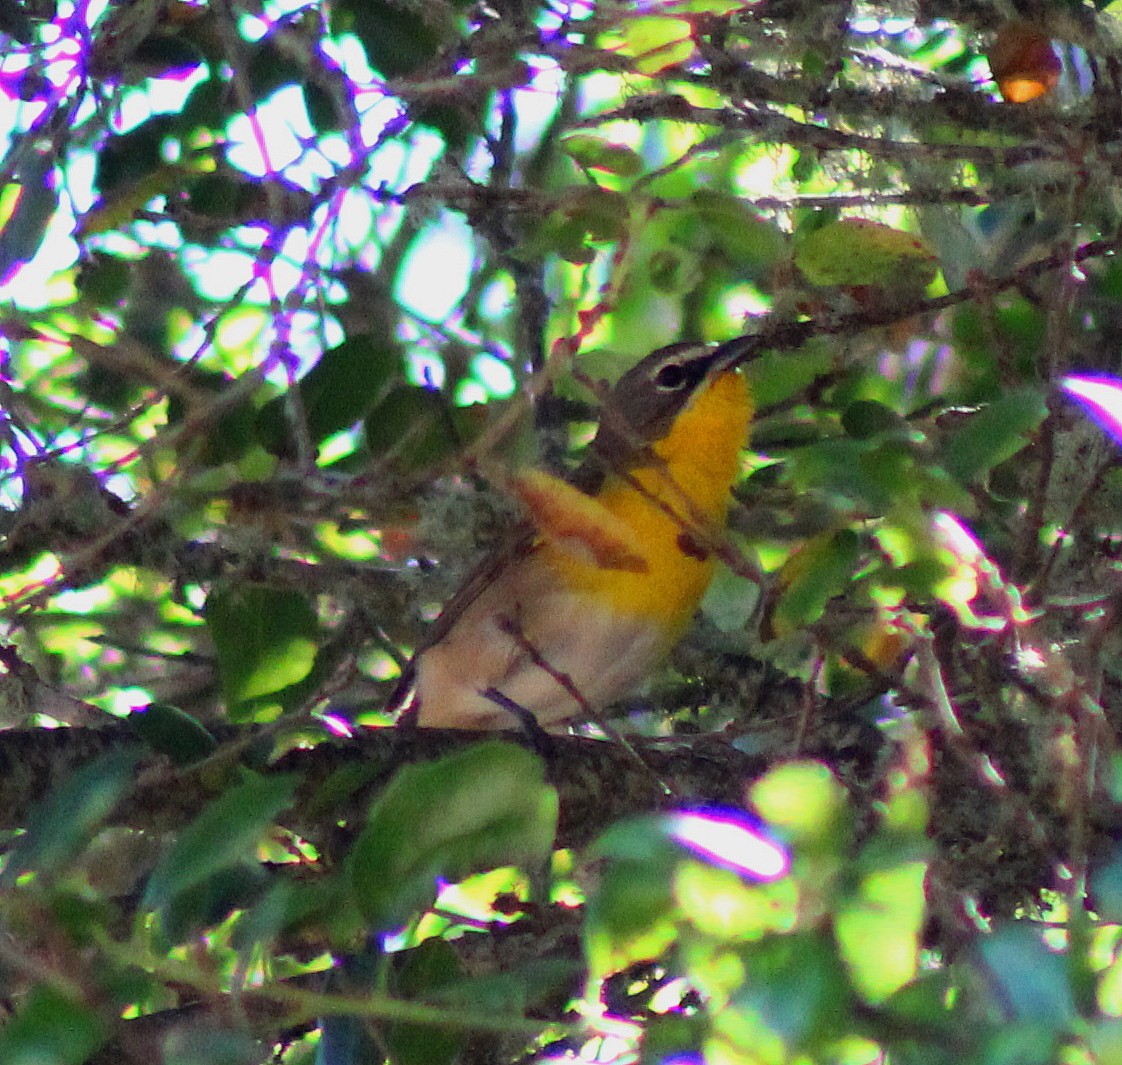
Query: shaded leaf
x,y
50,1029
64,823
221,837
481,808
993,434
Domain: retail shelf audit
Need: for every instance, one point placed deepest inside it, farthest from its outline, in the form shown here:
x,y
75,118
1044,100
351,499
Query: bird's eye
x,y
671,377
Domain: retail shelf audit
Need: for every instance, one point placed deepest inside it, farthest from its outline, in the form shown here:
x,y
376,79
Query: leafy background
x,y
284,285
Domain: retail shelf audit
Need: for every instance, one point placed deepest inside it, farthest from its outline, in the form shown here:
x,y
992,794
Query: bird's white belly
x,y
554,653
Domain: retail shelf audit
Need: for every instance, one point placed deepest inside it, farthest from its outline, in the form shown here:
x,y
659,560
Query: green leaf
x,y
173,732
652,42
346,382
398,39
50,1029
412,427
878,929
1027,978
858,252
188,913
421,973
481,808
867,418
821,569
221,837
994,434
747,239
64,823
265,640
596,153
796,986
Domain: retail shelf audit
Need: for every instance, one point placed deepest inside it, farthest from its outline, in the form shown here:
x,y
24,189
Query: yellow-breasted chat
x,y
590,595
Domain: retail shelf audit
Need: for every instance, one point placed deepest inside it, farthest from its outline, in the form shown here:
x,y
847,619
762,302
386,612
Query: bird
x,y
592,591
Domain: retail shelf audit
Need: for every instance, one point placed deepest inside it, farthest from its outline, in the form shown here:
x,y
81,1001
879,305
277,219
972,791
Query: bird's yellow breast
x,y
672,508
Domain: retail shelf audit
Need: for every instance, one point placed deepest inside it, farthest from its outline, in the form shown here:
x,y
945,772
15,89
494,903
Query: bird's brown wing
x,y
515,546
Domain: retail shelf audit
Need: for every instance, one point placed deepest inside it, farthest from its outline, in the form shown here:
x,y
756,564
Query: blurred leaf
x,y
878,929
125,159
595,153
169,730
207,1045
399,40
50,1029
189,912
415,428
1027,979
26,209
265,639
804,801
223,836
993,434
584,217
346,382
673,1037
1023,1043
65,822
817,572
420,974
856,252
796,987
865,419
228,431
481,808
103,279
747,239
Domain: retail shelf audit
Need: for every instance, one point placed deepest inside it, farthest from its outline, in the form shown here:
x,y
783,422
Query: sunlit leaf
x,y
599,154
858,251
265,639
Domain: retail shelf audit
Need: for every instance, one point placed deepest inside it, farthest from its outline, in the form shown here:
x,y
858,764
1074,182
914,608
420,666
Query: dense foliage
x,y
287,288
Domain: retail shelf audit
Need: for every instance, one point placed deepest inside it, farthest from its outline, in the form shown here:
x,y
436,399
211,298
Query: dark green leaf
x,y
481,808
412,428
50,1029
344,385
189,912
420,974
398,39
171,731
64,823
866,418
221,837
